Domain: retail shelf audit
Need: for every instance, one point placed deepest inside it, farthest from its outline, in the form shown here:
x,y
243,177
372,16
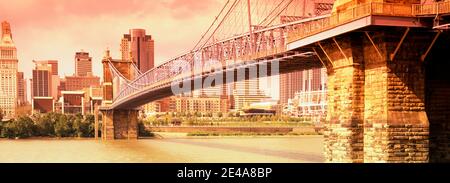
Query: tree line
x,y
48,125
198,119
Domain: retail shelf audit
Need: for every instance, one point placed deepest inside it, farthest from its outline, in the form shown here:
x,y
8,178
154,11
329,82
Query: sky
x,y
56,29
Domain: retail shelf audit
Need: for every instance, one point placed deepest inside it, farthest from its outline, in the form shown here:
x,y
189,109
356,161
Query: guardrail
x,y
339,18
431,9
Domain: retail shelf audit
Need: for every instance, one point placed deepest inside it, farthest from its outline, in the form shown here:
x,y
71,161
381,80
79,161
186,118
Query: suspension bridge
x,y
386,65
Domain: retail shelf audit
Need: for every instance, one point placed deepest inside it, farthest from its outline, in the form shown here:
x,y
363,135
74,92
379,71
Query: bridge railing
x,y
338,18
431,9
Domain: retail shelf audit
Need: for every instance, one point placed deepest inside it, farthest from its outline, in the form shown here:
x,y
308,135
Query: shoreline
x,y
50,138
164,135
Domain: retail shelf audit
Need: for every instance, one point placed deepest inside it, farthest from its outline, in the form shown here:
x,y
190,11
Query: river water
x,y
302,149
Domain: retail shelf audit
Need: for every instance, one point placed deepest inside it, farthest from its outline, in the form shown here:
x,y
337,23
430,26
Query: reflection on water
x,y
169,150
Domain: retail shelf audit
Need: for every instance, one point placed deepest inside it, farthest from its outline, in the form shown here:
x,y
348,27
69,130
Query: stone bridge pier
x,y
120,124
117,123
386,89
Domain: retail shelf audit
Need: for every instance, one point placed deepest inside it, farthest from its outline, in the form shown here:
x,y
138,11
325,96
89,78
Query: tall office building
x,y
301,81
21,89
290,83
8,72
55,80
43,87
247,92
46,69
141,47
52,63
83,77
83,64
42,80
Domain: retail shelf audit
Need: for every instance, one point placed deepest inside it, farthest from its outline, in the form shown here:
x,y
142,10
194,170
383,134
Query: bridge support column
x,y
376,103
344,131
396,127
120,124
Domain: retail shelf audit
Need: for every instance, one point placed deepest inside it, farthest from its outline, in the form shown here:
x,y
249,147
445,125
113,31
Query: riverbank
x,y
183,132
199,135
235,129
250,134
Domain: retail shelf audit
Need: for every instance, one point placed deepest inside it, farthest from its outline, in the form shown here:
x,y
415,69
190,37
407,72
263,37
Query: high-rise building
x,y
53,64
42,80
21,89
301,81
8,72
290,83
247,92
45,84
49,67
45,80
141,47
83,64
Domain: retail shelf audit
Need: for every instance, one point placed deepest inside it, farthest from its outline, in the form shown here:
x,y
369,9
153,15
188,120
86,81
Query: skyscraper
x,y
8,72
42,80
301,81
53,64
141,47
83,64
247,92
290,83
44,85
21,89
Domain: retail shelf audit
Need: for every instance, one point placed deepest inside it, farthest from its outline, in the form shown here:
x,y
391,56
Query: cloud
x,y
55,12
56,29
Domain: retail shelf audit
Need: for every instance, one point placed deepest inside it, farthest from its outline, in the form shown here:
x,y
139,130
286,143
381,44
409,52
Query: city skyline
x,y
100,26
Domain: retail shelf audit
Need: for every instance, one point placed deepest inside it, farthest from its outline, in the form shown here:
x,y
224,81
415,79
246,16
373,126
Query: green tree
x,y
88,126
209,114
77,126
1,114
237,114
9,130
45,124
63,126
143,132
1,129
23,127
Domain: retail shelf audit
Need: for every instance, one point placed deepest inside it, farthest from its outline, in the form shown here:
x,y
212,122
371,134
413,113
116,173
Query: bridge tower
x,y
117,123
380,106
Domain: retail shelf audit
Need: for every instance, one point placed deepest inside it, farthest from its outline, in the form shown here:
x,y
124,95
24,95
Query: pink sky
x,y
56,29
